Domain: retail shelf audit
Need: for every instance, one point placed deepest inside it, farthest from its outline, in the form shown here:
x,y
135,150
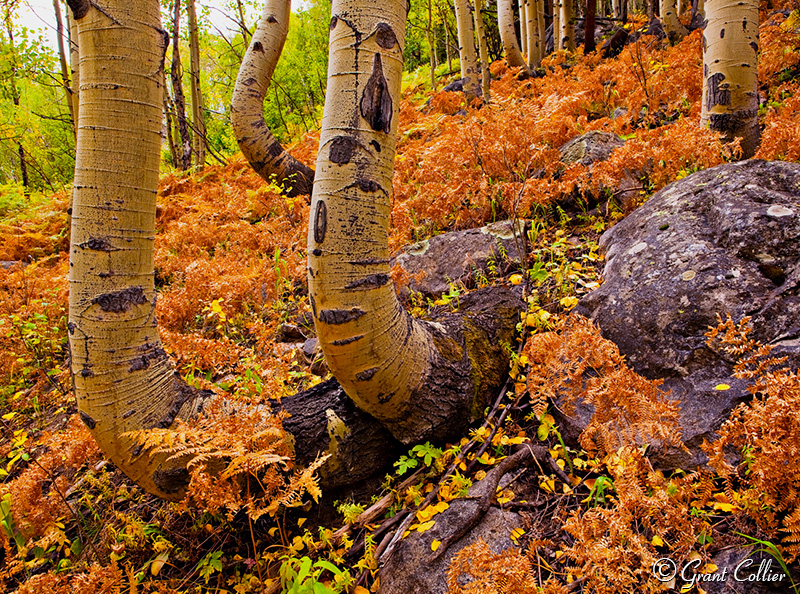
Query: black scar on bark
x,y
334,20
344,341
368,185
317,252
79,8
174,480
271,19
87,420
729,123
120,301
376,103
373,281
320,222
367,374
722,33
340,316
754,45
152,353
257,47
385,36
342,149
717,95
376,145
99,244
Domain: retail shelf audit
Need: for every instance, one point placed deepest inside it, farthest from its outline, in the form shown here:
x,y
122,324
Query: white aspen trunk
x,y
535,53
470,76
198,122
730,72
556,25
669,18
483,51
566,25
523,26
508,34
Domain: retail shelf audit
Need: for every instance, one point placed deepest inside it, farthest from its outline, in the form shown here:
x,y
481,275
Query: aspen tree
x,y
567,27
123,380
508,34
62,59
422,380
535,53
265,154
523,25
470,78
556,25
198,121
176,75
730,72
483,51
75,75
669,18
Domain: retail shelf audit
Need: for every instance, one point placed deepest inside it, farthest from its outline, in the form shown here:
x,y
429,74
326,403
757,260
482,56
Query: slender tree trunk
x,y
198,121
15,99
74,65
669,19
540,26
242,25
176,74
523,25
431,45
470,77
447,44
265,154
62,59
169,118
589,26
556,25
535,53
730,72
482,49
567,26
508,34
423,380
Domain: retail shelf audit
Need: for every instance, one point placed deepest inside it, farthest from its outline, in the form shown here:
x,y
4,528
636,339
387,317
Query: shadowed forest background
x,y
235,318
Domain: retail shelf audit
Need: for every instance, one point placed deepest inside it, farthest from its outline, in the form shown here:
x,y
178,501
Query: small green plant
x,y
775,552
304,576
7,522
210,564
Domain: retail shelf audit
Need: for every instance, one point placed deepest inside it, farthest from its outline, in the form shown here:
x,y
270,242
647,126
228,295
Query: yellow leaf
x,y
722,387
516,534
158,562
709,568
425,526
300,522
515,279
523,360
272,531
569,302
548,485
360,590
656,541
725,507
9,416
435,544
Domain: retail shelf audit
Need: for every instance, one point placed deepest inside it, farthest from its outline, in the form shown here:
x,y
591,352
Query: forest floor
x,y
230,272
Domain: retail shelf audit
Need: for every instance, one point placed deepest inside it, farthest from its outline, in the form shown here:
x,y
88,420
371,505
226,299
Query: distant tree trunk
x,y
242,25
540,26
730,72
589,26
672,26
470,77
508,34
176,74
556,25
431,45
523,25
482,49
169,118
567,26
263,151
62,59
198,120
447,43
535,44
15,98
74,65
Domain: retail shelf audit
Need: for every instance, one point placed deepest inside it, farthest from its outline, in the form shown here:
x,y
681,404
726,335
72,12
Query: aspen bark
x,y
483,51
470,77
122,377
535,53
523,25
669,18
730,72
431,45
541,28
556,25
508,34
422,380
198,122
265,154
567,27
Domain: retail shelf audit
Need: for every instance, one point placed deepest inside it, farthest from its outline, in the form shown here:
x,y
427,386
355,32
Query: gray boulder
x,y
721,241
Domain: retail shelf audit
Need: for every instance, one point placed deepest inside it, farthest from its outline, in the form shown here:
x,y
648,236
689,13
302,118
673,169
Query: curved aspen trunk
x,y
483,51
470,76
265,154
567,27
730,72
422,380
535,53
122,378
508,34
669,18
